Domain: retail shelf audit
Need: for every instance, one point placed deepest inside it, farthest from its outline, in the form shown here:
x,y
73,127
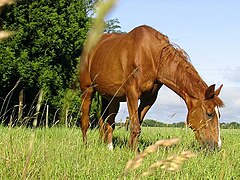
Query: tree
x,y
112,26
45,49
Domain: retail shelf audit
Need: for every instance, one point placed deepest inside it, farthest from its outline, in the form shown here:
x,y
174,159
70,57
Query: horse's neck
x,y
181,77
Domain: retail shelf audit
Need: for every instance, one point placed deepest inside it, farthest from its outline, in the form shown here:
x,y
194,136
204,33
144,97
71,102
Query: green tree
x,y
45,49
113,26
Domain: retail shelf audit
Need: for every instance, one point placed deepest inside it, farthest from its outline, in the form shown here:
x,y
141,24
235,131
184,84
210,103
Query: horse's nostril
x,y
210,115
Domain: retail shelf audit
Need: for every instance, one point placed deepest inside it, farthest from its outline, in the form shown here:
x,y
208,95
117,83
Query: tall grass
x,y
59,153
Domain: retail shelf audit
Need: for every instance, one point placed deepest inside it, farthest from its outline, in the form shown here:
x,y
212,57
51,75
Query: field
x,y
58,153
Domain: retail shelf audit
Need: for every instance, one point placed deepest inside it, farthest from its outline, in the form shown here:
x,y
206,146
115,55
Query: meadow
x,y
58,153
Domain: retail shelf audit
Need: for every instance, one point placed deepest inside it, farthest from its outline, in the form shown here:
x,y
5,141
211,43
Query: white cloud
x,y
232,74
231,98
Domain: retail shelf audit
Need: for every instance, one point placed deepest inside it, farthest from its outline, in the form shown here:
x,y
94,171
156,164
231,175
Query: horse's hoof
x,y
110,146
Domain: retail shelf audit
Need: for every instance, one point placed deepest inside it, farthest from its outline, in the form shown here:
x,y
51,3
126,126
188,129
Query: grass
x,y
58,153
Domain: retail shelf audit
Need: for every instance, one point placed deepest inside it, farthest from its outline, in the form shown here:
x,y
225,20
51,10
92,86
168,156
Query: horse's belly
x,y
108,85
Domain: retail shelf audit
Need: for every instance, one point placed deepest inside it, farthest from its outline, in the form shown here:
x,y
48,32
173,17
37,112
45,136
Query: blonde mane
x,y
181,52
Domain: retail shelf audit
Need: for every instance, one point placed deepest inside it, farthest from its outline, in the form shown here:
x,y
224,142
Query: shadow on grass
x,y
122,142
121,138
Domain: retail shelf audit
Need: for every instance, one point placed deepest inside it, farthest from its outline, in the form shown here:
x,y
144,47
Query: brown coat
x,y
132,66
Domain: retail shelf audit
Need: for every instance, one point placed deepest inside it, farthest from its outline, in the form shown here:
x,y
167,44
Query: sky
x,y
209,31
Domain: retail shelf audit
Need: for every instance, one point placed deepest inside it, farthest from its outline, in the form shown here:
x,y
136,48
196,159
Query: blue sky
x,y
209,31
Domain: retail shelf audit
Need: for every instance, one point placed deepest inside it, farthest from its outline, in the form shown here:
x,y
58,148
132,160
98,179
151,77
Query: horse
x,y
132,66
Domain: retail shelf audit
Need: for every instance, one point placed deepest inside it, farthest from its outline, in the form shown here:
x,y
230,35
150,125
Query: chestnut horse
x,y
132,66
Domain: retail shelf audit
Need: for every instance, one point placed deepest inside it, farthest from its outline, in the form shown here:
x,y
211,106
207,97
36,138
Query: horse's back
x,y
116,56
119,52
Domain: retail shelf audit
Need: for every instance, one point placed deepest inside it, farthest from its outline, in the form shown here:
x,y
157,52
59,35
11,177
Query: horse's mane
x,y
186,74
181,52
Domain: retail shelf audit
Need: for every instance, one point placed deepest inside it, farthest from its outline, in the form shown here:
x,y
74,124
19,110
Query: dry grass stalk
x,y
6,2
32,139
40,97
97,29
137,162
172,163
7,100
5,34
103,7
29,155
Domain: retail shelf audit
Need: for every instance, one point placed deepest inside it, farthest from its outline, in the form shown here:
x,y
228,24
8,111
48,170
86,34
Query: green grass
x,y
58,153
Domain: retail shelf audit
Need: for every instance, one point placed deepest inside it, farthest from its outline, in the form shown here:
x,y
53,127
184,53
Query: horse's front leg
x,y
132,103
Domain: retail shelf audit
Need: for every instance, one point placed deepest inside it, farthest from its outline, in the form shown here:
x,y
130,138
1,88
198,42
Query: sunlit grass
x,y
59,153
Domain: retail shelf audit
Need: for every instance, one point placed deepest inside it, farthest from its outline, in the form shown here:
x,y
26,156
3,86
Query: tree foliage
x,y
153,123
231,125
45,49
113,26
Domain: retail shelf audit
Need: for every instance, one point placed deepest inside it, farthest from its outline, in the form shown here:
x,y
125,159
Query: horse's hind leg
x,y
85,109
109,112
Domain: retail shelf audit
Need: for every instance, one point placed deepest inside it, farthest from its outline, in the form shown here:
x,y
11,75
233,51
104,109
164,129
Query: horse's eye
x,y
210,115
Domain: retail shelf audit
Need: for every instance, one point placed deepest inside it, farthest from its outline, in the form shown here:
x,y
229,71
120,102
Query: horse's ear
x,y
210,92
217,92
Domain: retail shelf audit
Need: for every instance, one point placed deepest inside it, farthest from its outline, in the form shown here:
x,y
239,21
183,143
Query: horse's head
x,y
203,119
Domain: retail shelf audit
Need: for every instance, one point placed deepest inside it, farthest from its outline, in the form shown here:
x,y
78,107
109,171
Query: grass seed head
x,y
6,2
164,164
5,34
